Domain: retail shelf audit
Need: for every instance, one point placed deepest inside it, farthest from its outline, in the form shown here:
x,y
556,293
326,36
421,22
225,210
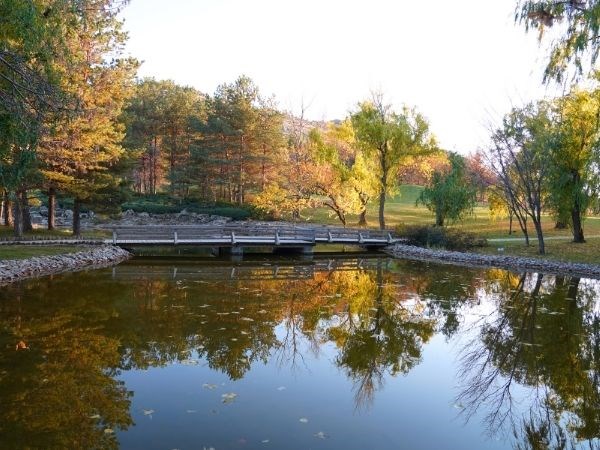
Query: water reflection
x,y
544,335
528,354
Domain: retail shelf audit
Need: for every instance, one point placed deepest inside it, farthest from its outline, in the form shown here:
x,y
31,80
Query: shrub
x,y
439,237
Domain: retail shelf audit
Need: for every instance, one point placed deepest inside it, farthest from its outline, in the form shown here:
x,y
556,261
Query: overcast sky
x,y
462,63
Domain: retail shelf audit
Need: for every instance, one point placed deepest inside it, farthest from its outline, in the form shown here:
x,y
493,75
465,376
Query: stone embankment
x,y
515,263
96,257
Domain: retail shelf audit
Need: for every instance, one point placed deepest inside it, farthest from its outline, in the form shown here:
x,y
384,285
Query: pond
x,y
351,353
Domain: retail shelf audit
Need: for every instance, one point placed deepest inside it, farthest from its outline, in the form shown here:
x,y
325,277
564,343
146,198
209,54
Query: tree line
x,y
76,124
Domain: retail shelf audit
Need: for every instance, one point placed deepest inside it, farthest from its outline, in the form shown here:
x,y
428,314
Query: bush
x,y
439,237
150,207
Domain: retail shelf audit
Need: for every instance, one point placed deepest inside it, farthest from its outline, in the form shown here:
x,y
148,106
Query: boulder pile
x,y
501,261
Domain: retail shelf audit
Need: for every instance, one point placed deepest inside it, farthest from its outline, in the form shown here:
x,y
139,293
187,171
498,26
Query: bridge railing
x,y
238,234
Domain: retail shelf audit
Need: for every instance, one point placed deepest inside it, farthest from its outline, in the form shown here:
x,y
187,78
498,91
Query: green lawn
x,y
402,210
29,251
7,232
559,250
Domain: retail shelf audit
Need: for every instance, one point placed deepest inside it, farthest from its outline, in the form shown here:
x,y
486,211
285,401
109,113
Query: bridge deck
x,y
249,236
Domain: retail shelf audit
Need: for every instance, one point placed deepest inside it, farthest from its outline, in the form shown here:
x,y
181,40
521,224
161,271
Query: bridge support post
x,y
231,251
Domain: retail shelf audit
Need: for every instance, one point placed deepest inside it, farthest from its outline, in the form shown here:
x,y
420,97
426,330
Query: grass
x,y
402,210
7,232
30,251
563,250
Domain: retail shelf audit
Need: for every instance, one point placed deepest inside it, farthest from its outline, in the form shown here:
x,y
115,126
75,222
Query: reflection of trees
x,y
376,334
61,393
545,337
80,338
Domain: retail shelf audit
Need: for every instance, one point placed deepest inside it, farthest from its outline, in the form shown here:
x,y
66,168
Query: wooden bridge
x,y
234,238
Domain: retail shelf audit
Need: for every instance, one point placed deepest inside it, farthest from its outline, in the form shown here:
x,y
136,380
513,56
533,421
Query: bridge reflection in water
x,y
262,269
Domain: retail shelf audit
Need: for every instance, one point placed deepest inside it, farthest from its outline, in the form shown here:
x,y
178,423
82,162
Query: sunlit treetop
x,y
577,43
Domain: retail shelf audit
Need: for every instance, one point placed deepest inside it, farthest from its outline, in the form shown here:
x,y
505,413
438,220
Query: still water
x,y
354,353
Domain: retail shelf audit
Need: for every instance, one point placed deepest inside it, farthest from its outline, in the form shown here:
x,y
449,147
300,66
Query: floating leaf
x,y
303,420
320,435
265,441
228,397
108,431
247,319
281,388
189,362
95,416
191,411
209,386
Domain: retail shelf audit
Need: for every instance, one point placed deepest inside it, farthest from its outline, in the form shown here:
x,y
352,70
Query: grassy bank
x,y
558,250
8,233
30,251
402,210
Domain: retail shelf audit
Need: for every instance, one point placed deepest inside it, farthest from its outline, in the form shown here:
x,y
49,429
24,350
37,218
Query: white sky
x,y
462,63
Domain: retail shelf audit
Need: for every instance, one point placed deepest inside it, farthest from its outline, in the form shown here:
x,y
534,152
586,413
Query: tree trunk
x,y
510,223
8,210
540,236
27,225
51,208
241,174
362,218
578,236
560,225
18,217
76,218
383,187
439,219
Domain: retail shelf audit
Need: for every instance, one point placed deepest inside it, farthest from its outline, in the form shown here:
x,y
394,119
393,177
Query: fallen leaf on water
x,y
21,345
234,339
262,311
321,435
209,386
189,362
303,420
247,319
281,388
108,431
95,416
148,412
228,397
265,441
191,411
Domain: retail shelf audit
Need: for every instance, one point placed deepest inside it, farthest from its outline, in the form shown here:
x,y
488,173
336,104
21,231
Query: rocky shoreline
x,y
503,262
96,257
